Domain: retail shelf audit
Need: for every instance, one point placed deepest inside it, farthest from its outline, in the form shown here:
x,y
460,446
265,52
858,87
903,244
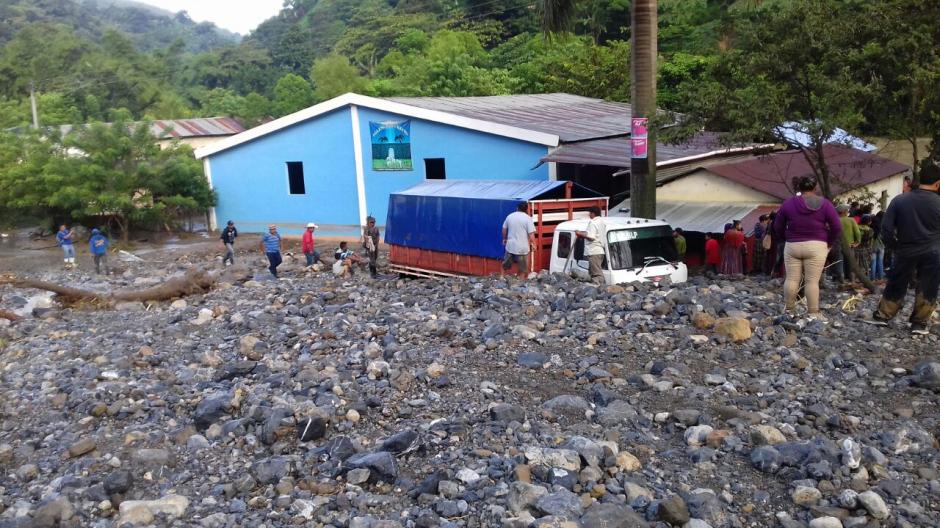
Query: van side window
x,y
579,249
564,244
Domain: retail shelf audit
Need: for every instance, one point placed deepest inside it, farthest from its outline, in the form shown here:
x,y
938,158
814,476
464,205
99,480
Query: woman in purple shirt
x,y
809,225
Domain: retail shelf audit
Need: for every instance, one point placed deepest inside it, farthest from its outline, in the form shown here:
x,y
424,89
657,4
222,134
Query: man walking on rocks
x,y
64,238
519,239
911,227
228,241
98,245
271,246
594,243
307,245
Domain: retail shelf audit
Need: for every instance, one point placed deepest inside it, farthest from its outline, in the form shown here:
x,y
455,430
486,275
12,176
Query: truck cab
x,y
636,250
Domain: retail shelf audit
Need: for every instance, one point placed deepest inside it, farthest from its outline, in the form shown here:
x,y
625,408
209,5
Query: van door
x,y
581,266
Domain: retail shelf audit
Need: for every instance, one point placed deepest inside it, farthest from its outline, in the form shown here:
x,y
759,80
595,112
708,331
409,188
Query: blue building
x,y
337,162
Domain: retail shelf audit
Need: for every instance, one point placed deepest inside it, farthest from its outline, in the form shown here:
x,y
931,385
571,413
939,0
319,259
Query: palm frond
x,y
556,16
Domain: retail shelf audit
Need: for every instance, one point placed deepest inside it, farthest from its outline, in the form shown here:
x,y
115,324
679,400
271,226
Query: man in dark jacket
x,y
228,241
911,227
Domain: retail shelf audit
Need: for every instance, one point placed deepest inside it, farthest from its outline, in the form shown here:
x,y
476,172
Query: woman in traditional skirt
x,y
731,251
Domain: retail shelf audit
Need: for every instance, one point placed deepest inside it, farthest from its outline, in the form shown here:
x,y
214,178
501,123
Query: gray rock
x,y
382,465
504,412
607,515
532,359
118,482
562,503
673,511
567,403
523,496
271,470
874,504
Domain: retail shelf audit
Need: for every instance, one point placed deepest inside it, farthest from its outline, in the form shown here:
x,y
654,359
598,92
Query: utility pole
x,y
32,102
643,103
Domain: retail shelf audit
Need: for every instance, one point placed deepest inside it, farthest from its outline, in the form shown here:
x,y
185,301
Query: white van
x,y
637,250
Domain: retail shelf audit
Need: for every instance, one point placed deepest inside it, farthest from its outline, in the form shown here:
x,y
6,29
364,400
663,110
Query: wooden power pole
x,y
643,102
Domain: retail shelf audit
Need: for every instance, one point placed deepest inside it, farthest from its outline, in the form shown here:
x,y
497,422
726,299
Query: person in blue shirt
x,y
64,239
271,246
98,245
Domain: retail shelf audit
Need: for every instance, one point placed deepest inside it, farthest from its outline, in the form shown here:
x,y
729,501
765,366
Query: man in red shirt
x,y
712,254
307,246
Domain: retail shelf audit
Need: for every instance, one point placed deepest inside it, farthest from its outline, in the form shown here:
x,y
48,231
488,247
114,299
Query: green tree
x,y
292,93
778,80
902,51
333,75
255,108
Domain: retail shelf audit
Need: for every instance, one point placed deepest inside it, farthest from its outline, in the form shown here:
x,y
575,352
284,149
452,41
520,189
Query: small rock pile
x,y
314,401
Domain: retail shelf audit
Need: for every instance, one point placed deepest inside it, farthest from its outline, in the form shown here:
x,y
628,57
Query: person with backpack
x,y
98,245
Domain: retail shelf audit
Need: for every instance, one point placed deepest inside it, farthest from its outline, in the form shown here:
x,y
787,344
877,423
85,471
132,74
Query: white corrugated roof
x,y
702,217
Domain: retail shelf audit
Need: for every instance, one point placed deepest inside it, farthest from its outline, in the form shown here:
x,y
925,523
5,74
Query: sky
x,y
240,16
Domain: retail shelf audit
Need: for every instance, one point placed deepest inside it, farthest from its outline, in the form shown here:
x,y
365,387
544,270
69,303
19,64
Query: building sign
x,y
639,132
391,145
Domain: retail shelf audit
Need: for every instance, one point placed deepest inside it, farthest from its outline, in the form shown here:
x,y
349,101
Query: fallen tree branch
x,y
193,282
9,316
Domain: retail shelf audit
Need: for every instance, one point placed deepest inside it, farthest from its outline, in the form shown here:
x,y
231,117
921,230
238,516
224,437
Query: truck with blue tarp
x,y
454,227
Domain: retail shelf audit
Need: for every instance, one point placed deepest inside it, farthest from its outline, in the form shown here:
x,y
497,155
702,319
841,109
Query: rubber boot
x,y
923,310
887,309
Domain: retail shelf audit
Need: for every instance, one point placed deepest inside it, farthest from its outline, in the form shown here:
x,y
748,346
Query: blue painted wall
x,y
252,186
251,179
468,155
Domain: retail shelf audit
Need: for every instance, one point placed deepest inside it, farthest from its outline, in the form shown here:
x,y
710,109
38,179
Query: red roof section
x,y
773,173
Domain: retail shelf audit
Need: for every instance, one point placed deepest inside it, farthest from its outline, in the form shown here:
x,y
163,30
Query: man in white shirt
x,y
594,243
519,239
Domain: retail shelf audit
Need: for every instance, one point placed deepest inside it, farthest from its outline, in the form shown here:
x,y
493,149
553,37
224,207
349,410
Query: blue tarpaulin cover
x,y
464,217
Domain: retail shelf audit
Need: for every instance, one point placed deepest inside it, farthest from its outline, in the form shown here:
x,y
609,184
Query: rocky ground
x,y
320,402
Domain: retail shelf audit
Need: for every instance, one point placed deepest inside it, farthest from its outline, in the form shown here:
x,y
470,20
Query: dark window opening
x,y
434,169
564,244
579,249
295,177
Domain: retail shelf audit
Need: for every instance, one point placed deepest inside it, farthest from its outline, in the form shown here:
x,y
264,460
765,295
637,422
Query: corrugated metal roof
x,y
702,217
197,127
184,128
772,174
570,117
496,189
615,152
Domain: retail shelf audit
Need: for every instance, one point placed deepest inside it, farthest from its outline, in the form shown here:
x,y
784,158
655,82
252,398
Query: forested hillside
x,y
316,49
149,27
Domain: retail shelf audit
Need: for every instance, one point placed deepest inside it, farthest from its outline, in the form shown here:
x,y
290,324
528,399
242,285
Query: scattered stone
x,y
143,512
874,504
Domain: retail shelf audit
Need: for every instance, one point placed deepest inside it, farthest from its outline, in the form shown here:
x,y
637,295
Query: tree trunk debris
x,y
195,281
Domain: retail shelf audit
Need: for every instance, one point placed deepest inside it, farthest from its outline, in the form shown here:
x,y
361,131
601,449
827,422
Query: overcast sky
x,y
240,16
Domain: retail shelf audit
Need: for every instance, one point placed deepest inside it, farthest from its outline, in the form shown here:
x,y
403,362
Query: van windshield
x,y
629,248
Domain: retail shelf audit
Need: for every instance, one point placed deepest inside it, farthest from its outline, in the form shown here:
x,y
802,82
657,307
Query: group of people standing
x,y
812,229
98,244
727,257
272,243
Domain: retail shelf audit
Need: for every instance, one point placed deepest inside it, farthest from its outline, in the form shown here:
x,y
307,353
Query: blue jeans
x,y
274,259
878,263
68,251
312,257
